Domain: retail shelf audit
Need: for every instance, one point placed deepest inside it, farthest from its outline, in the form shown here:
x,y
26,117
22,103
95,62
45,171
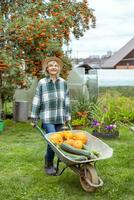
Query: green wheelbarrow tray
x,y
86,168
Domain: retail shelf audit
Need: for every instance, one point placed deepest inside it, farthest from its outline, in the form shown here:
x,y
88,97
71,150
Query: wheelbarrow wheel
x,y
89,178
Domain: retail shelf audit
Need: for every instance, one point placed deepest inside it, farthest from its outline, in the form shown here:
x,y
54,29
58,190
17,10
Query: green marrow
x,y
73,150
73,156
86,147
94,153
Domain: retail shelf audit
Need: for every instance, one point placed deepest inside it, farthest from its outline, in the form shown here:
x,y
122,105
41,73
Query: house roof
x,y
119,55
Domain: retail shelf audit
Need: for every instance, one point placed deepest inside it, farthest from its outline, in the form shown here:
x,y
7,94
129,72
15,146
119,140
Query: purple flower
x,y
109,127
103,127
95,123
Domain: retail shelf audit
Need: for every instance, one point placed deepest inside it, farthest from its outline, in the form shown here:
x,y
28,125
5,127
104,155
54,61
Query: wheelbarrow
x,y
86,169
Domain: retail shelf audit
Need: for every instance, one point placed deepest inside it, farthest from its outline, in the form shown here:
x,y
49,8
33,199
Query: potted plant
x,y
101,129
80,110
80,120
79,123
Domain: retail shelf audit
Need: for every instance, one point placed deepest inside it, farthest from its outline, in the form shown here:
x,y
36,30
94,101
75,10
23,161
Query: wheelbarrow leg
x,y
57,168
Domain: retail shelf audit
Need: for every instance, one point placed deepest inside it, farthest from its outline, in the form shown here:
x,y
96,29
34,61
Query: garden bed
x,y
106,135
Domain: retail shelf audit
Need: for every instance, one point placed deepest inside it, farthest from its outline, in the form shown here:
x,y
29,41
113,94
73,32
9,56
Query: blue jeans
x,y
49,128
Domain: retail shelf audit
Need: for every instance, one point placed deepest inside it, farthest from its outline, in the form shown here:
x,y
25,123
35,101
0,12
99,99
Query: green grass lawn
x,y
22,176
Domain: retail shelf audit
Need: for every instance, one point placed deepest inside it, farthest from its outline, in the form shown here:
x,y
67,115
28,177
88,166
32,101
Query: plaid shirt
x,y
51,101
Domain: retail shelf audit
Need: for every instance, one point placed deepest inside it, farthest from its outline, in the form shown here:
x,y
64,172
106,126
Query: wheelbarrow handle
x,y
43,131
40,130
69,126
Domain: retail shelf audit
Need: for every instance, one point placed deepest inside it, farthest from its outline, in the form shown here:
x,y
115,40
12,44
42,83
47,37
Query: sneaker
x,y
50,170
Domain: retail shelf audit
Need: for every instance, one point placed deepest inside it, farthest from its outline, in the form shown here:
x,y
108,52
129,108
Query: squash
x,y
62,133
68,135
74,143
56,138
81,136
69,141
70,149
73,156
78,144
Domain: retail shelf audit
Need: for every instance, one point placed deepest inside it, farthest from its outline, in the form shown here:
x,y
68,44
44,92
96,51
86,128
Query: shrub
x,y
110,109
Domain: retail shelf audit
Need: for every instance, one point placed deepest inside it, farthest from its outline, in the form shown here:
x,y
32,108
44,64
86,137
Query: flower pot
x,y
105,135
78,127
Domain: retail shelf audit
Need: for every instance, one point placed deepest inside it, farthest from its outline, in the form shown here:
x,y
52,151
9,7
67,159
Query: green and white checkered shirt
x,y
51,102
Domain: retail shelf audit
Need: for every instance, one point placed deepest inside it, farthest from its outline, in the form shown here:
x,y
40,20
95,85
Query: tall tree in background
x,y
35,29
31,30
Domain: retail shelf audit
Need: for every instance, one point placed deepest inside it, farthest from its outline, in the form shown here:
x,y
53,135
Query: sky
x,y
114,28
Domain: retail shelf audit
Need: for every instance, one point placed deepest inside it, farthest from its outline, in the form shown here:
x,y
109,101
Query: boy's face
x,y
53,68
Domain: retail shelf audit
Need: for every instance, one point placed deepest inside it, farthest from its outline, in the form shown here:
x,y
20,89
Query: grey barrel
x,y
20,112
